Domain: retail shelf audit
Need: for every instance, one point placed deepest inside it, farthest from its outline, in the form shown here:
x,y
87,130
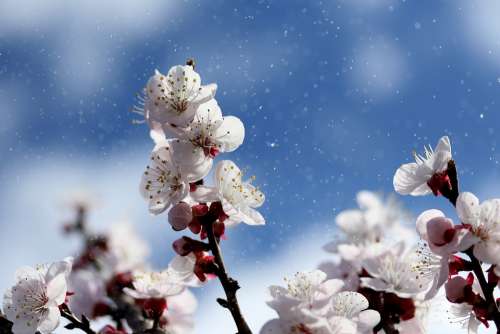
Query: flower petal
x,y
409,180
204,194
350,221
230,134
192,161
252,217
443,145
368,319
57,288
423,218
49,321
468,208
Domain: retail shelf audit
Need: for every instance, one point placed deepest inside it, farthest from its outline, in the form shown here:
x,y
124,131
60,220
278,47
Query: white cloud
x,y
379,68
481,27
35,193
83,34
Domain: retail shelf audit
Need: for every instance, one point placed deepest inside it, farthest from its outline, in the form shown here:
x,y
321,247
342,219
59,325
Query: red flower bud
x,y
154,307
439,182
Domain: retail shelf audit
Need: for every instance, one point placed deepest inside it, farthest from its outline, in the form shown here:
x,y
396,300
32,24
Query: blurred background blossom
x,y
334,95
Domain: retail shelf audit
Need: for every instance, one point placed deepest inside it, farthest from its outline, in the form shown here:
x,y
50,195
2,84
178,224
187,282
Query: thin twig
x,y
485,287
83,325
230,285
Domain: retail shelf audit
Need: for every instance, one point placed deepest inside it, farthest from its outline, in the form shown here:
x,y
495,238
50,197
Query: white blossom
x,y
305,290
203,139
430,267
89,288
162,183
150,284
174,98
180,313
412,178
32,304
127,250
239,198
311,304
392,271
483,221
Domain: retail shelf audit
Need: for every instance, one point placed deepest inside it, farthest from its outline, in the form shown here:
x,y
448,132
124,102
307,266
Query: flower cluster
x,y
189,131
312,304
370,261
456,252
108,279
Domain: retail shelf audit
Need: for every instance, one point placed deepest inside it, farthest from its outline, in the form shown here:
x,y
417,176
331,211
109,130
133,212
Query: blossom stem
x,y
82,325
451,191
5,325
485,287
230,285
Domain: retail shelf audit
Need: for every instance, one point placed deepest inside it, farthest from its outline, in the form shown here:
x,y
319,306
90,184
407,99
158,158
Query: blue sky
x,y
334,96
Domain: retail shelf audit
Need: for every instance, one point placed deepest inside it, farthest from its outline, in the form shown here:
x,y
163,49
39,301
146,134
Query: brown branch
x,y
230,285
451,191
485,287
5,325
74,322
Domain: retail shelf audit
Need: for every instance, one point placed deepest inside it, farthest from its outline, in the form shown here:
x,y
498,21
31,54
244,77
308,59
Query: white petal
x,y
374,284
468,208
26,325
490,214
488,252
474,324
208,113
349,304
423,218
206,93
443,145
49,321
192,161
252,196
184,303
60,267
29,273
272,327
440,161
368,200
157,135
368,319
350,221
409,180
204,194
252,217
438,279
227,174
349,252
230,134
57,288
331,286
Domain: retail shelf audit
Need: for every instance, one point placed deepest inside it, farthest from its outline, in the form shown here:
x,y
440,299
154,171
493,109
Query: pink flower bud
x,y
440,231
455,289
180,216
